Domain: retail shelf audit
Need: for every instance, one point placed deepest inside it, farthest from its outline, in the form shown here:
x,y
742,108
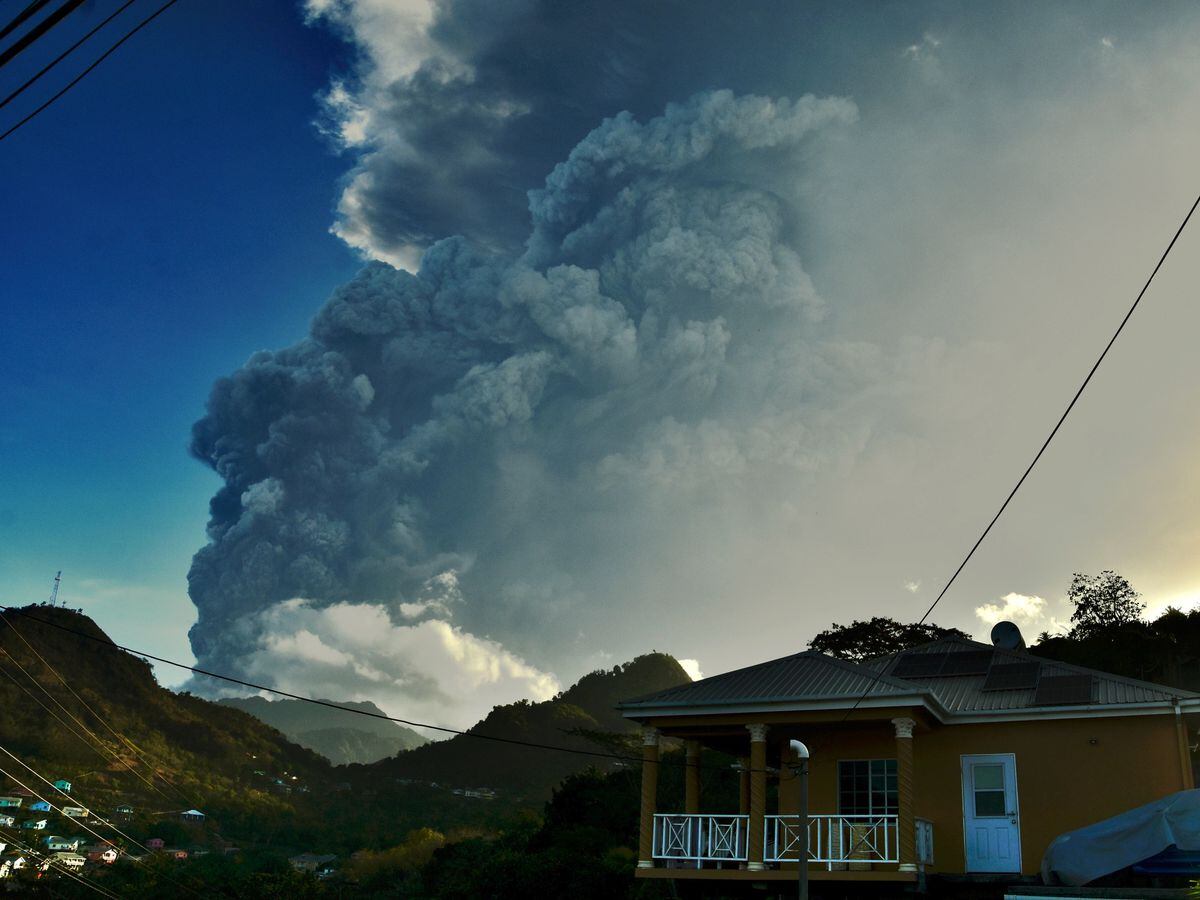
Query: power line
x,y
105,55
26,40
65,869
103,720
112,645
81,824
54,62
99,746
1057,425
21,17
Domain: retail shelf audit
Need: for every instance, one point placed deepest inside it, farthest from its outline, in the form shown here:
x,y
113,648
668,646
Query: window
x,y
867,787
989,790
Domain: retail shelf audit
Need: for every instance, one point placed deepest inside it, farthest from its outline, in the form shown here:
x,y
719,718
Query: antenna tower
x,y
54,590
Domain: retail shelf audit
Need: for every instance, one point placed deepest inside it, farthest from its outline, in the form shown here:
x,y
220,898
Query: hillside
x,y
583,717
339,737
124,740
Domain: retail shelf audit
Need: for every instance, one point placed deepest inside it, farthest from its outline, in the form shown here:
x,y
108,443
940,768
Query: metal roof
x,y
964,693
810,677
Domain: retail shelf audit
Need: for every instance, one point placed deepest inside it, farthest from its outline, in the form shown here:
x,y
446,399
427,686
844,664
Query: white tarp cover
x,y
1086,854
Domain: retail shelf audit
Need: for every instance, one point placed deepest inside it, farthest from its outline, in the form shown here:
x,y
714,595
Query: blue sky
x,y
163,220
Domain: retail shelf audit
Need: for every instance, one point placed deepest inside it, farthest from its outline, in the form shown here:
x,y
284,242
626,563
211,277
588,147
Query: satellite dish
x,y
1007,636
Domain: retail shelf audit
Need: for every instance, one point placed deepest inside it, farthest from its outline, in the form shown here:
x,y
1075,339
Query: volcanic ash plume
x,y
481,447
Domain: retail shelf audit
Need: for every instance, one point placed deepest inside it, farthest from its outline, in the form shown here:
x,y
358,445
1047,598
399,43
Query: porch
x,y
754,844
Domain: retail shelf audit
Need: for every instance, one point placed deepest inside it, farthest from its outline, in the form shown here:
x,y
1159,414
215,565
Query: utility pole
x,y
54,590
799,767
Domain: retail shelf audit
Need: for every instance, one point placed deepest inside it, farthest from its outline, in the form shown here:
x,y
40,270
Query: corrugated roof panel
x,y
804,675
814,676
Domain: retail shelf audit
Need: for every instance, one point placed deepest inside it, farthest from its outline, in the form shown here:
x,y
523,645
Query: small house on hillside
x,y
35,824
75,812
103,855
40,806
12,862
11,802
177,854
192,815
987,750
7,821
54,842
68,860
124,810
311,862
63,785
155,843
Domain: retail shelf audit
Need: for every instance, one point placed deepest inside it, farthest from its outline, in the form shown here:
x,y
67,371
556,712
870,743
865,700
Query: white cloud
x,y
1030,612
912,586
692,667
432,671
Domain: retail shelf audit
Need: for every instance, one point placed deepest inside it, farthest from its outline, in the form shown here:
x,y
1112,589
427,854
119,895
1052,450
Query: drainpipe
x,y
1185,761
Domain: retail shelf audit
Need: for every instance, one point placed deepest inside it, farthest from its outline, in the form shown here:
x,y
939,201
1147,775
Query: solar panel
x,y
1063,690
919,665
968,662
1012,676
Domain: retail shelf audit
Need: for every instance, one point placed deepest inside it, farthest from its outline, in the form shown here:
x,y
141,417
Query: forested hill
x,y
124,740
338,736
583,717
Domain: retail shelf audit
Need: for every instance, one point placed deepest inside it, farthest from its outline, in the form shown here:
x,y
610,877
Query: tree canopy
x,y
1102,602
877,636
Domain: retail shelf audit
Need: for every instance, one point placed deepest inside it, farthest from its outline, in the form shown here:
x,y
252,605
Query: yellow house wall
x,y
1064,780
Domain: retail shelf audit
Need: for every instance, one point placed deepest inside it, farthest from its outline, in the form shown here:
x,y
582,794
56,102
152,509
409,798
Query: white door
x,y
991,818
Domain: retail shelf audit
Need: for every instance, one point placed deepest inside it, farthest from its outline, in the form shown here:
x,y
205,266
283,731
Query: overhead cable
x,y
1046,443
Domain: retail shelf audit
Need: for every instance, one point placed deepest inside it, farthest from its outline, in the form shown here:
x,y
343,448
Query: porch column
x,y
758,797
691,779
907,789
649,797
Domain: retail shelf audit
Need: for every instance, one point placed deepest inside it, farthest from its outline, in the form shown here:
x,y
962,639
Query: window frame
x,y
890,789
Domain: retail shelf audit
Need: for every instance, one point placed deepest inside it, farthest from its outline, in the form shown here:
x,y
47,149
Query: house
x,y
7,821
103,855
35,824
68,860
11,802
54,842
40,806
124,810
192,815
12,862
312,862
75,812
988,751
63,785
155,843
177,854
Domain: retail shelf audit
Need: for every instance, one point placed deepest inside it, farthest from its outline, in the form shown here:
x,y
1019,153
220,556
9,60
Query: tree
x,y
878,636
1102,602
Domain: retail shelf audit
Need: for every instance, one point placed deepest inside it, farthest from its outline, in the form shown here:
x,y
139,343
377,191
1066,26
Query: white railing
x,y
834,839
700,838
924,842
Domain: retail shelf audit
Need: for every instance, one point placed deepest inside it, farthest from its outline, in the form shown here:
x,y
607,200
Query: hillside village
x,y
250,792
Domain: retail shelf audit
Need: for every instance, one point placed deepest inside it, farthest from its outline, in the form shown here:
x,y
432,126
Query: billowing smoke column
x,y
448,453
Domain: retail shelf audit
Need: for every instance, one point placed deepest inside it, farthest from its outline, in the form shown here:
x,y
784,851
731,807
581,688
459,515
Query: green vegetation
x,y
583,718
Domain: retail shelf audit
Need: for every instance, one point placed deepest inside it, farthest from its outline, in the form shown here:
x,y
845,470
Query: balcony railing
x,y
700,838
834,839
